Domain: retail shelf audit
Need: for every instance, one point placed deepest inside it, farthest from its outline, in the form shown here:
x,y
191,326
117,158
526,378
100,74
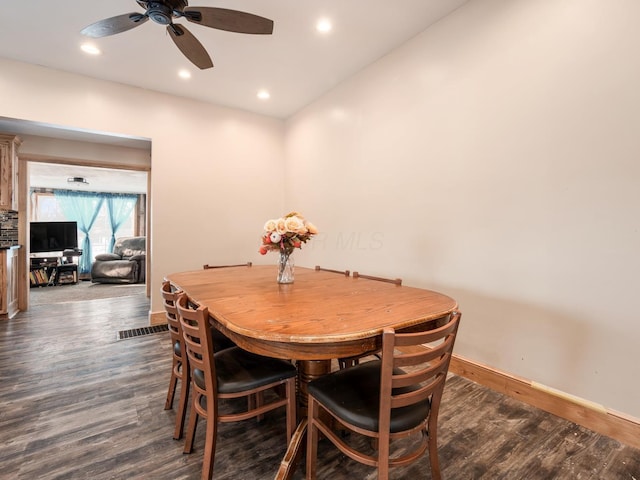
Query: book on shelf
x,y
52,277
43,277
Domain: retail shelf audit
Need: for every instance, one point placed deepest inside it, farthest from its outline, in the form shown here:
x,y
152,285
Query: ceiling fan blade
x,y
229,20
113,25
189,46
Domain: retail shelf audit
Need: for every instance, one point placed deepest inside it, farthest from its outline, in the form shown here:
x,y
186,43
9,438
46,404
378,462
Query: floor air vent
x,y
138,332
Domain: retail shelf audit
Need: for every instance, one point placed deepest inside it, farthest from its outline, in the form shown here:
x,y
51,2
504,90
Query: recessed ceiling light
x,y
324,25
90,49
264,95
184,74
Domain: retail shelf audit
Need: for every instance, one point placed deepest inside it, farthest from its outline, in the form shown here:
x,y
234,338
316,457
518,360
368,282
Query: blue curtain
x,y
120,206
83,207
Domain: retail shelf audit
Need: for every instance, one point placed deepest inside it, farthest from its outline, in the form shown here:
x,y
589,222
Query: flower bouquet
x,y
283,235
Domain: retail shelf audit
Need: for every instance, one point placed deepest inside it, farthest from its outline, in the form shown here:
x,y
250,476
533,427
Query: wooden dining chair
x,y
396,397
179,366
341,272
206,266
395,281
232,373
345,362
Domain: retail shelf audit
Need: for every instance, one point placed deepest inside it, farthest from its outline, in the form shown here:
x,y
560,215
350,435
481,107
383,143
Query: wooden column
x,y
309,370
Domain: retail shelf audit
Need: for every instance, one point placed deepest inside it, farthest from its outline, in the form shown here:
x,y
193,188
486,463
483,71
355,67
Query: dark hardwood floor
x,y
75,403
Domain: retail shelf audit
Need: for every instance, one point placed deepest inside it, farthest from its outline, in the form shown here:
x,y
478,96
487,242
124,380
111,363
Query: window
x,y
45,208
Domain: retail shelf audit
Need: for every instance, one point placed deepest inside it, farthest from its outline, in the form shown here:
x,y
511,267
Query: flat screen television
x,y
53,236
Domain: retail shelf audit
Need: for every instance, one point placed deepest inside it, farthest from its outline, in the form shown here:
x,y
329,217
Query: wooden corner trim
x,y
157,318
618,426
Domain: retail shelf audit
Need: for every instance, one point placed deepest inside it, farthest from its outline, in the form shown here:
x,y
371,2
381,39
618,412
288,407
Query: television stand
x,y
51,271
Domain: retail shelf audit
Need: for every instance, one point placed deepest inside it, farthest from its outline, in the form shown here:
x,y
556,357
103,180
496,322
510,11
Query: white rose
x,y
295,225
312,228
281,226
270,226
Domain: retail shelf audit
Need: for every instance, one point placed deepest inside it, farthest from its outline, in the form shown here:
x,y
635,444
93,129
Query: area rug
x,y
82,291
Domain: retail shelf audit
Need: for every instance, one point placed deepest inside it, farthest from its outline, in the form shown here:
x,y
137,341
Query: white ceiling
x,y
296,64
48,175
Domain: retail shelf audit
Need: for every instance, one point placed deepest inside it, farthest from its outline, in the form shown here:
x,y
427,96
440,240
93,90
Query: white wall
x,y
90,153
495,158
216,173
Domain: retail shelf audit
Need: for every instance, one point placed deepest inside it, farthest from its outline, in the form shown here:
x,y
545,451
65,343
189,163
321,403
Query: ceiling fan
x,y
164,11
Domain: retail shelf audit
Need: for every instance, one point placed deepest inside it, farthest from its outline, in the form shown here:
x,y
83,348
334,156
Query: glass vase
x,y
285,267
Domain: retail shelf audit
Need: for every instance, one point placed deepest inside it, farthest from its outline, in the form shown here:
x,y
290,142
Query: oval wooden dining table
x,y
322,316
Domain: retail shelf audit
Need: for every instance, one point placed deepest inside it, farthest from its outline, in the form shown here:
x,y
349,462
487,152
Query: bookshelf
x,y
48,272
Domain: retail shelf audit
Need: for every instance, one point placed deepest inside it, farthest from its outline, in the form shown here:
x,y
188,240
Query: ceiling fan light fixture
x,y
77,180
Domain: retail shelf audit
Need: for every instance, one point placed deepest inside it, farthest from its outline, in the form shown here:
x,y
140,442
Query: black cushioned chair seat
x,y
353,394
238,370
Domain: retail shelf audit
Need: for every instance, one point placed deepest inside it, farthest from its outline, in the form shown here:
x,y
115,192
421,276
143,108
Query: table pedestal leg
x,y
307,371
294,452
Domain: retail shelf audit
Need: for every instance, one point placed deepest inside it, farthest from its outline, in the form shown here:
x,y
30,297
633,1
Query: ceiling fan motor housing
x,y
162,12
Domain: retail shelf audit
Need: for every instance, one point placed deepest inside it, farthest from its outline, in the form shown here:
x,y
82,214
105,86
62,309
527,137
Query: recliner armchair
x,y
126,264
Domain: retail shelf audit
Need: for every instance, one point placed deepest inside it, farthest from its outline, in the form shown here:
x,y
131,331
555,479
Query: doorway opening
x,y
57,277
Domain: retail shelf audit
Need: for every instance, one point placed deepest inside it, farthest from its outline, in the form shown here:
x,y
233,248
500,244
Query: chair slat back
x,y
169,298
206,266
341,272
197,339
396,281
424,370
